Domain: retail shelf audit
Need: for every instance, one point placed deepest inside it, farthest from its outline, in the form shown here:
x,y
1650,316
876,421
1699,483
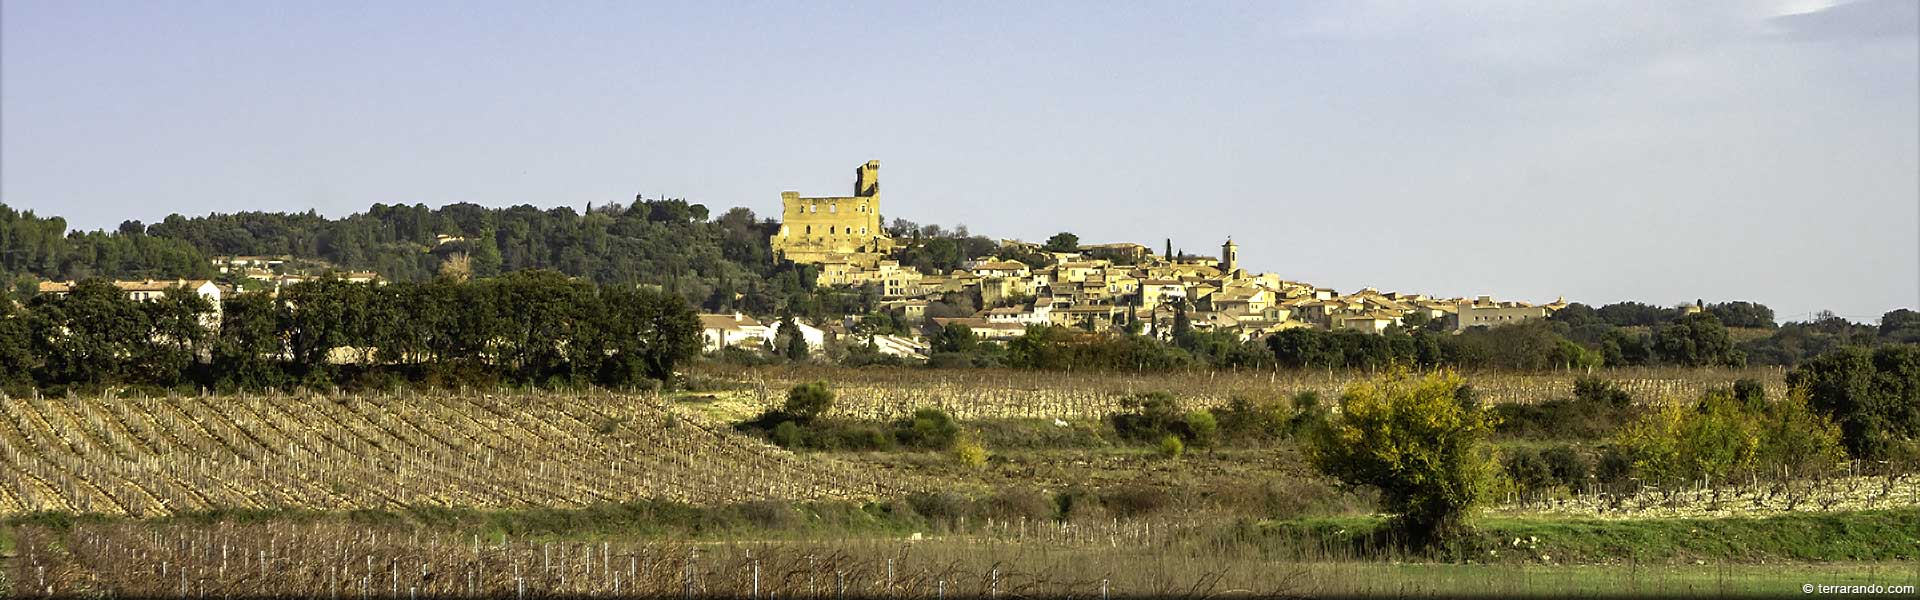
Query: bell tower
x,y
1230,256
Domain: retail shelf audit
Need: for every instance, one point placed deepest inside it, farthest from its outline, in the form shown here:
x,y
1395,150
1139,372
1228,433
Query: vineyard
x,y
160,456
886,394
332,559
1749,497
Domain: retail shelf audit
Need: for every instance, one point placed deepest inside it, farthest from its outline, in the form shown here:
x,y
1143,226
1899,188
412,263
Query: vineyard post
x,y
756,580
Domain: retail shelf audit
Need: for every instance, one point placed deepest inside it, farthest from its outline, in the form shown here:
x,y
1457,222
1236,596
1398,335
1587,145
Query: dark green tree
x,y
1742,314
17,359
1874,395
247,350
1900,326
1697,340
1062,242
955,337
321,316
88,336
645,334
180,329
793,342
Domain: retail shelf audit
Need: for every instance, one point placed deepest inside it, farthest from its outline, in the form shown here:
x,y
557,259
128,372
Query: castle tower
x,y
1230,256
866,180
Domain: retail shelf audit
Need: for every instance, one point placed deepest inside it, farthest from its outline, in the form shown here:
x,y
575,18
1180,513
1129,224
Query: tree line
x,y
524,328
718,262
1567,340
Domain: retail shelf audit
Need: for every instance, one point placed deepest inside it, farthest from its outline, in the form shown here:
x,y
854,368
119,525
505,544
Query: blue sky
x,y
1655,151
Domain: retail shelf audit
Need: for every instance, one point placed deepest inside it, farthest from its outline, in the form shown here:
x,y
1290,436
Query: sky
x,y
1601,151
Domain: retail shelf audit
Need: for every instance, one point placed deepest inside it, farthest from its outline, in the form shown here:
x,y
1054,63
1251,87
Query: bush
x,y
969,452
1417,441
1600,392
1308,411
1256,421
809,401
930,429
1615,465
1567,465
1136,500
1080,503
828,435
1721,437
1171,447
1288,498
1799,441
950,360
1148,417
787,435
1202,428
1598,408
1528,472
941,507
1680,443
1750,392
770,514
1021,502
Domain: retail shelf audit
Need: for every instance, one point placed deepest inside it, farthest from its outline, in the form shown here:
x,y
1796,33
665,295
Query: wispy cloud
x,y
1854,21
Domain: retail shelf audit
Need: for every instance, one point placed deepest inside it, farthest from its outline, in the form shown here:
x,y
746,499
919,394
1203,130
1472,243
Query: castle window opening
x,y
833,209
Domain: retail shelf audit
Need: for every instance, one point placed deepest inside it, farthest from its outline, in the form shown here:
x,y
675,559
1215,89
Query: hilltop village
x,y
1091,287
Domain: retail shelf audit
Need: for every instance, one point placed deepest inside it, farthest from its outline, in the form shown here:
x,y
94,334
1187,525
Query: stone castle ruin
x,y
835,229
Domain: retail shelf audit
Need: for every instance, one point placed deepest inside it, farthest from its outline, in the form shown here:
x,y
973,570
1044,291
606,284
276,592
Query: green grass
x,y
1562,581
1877,535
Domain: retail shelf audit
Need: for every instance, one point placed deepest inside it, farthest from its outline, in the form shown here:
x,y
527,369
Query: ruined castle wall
x,y
819,229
